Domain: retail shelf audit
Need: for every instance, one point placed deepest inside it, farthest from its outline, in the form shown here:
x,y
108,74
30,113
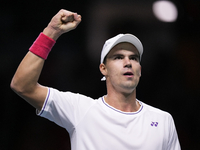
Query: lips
x,y
128,74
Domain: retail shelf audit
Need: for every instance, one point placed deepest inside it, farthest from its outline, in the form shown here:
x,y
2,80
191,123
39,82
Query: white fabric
x,y
95,125
110,43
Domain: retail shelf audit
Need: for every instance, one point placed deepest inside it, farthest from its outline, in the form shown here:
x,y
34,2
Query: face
x,y
122,69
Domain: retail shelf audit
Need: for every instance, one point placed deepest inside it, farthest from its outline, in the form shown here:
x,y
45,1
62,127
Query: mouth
x,y
128,74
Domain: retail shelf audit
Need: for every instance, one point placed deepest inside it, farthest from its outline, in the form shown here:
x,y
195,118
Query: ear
x,y
102,68
140,70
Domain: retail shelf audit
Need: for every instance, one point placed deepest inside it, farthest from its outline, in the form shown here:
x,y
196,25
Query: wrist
x,y
51,33
42,46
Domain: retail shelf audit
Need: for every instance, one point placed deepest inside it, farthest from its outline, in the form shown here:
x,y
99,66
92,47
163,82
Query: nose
x,y
127,63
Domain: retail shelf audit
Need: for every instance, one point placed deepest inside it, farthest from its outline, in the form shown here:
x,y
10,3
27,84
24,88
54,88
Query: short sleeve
x,y
173,143
65,108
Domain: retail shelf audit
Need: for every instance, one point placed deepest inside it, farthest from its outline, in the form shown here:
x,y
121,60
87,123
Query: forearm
x,y
27,74
25,80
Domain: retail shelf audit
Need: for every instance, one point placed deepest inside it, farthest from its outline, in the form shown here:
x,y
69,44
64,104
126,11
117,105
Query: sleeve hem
x,y
40,112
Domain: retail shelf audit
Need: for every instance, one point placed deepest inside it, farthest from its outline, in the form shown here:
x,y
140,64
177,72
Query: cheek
x,y
138,71
113,72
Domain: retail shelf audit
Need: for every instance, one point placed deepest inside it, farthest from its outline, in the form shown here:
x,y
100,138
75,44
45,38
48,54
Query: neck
x,y
123,101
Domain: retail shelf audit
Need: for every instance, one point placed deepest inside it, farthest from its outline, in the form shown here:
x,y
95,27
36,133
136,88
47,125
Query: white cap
x,y
110,43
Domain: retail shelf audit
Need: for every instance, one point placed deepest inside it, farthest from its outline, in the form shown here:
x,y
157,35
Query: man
x,y
115,121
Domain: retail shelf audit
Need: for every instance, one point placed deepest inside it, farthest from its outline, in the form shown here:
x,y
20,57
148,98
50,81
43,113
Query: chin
x,y
129,88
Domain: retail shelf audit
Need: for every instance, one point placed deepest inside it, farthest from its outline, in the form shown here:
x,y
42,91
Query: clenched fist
x,y
62,22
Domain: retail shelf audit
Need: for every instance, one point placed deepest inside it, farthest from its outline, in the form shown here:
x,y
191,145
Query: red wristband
x,y
42,46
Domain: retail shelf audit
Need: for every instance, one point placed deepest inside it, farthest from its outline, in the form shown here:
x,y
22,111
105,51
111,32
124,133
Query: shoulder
x,y
67,94
69,97
155,111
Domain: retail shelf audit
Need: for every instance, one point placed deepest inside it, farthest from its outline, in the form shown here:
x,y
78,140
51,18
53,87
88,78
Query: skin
x,y
25,80
122,71
121,89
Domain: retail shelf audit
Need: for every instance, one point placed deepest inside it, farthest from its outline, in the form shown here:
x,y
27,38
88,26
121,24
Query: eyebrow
x,y
133,55
136,55
118,54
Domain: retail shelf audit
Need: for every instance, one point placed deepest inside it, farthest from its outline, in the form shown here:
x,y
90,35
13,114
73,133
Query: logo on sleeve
x,y
154,124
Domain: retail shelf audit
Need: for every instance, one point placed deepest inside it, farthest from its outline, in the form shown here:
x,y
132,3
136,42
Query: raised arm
x,y
25,80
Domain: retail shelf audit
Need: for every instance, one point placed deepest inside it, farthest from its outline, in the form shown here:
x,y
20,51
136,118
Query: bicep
x,y
37,97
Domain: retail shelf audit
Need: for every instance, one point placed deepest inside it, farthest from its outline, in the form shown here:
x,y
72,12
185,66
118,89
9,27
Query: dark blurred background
x,y
170,63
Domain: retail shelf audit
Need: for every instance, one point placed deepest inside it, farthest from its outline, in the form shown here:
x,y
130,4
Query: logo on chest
x,y
154,124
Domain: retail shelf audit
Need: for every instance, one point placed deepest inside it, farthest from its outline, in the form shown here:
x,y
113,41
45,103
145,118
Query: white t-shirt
x,y
95,125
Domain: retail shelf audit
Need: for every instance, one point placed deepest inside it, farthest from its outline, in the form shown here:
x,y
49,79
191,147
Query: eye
x,y
118,57
134,58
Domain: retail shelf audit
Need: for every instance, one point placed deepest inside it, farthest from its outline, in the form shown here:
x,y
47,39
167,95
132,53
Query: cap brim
x,y
130,39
